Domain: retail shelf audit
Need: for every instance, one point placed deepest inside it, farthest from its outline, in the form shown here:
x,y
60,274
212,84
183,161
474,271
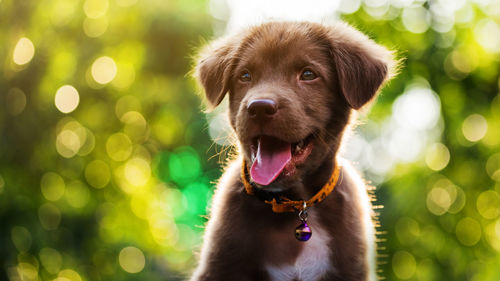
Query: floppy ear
x,y
361,64
213,69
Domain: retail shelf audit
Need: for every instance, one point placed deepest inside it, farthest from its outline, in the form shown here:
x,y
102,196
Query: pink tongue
x,y
272,156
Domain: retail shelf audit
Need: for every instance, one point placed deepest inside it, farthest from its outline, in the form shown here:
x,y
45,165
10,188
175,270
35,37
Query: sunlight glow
x,y
403,136
437,156
104,70
95,27
488,204
487,34
349,6
24,51
445,197
135,126
21,238
61,11
132,259
439,200
247,13
69,275
51,260
474,127
67,143
492,233
73,138
416,19
137,171
119,147
95,8
404,264
418,108
52,186
493,167
443,15
67,99
219,129
27,271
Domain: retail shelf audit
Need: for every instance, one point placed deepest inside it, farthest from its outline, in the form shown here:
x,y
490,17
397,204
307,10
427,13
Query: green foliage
x,y
101,179
106,166
441,217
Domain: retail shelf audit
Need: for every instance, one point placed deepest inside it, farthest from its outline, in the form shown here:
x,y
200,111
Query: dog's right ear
x,y
213,68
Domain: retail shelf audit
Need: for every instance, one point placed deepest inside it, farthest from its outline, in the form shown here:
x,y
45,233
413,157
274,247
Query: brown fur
x,y
243,236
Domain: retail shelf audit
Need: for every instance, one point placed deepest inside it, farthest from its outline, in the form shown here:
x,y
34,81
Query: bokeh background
x,y
107,161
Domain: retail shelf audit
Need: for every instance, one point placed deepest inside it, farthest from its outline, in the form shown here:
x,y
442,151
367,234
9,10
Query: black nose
x,y
262,108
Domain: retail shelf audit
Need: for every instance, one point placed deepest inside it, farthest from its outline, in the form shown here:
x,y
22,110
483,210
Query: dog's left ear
x,y
362,65
213,68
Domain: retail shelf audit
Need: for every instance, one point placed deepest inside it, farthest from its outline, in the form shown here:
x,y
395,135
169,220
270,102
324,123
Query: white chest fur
x,y
313,261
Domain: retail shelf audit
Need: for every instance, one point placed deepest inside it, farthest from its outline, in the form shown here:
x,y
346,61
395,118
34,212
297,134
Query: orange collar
x,y
287,205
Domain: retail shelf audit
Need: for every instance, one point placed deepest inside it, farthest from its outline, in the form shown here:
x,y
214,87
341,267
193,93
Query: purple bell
x,y
303,232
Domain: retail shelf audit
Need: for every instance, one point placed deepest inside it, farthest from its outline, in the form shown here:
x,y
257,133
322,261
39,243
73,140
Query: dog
x,y
288,208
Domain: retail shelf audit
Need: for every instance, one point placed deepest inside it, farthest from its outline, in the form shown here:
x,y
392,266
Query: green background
x,y
118,188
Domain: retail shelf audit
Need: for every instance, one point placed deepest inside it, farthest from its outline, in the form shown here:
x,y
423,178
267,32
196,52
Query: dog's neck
x,y
314,181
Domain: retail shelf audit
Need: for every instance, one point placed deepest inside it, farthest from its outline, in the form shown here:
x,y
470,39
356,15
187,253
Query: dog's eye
x,y
245,76
308,75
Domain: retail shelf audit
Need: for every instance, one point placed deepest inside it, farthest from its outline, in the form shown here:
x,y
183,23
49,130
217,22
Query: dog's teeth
x,y
300,144
298,147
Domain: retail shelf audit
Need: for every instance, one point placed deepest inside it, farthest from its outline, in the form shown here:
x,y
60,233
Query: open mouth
x,y
272,157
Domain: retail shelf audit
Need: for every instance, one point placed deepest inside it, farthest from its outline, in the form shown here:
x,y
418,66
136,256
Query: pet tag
x,y
303,231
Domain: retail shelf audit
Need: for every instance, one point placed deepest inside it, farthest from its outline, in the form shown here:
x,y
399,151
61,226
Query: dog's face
x,y
291,89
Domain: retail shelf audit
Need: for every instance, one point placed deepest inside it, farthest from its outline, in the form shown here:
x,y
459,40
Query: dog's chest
x,y
312,263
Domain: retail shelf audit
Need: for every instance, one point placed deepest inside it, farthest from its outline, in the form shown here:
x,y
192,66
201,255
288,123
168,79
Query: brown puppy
x,y
292,87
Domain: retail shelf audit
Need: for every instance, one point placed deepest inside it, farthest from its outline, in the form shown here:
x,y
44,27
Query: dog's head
x,y
292,87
